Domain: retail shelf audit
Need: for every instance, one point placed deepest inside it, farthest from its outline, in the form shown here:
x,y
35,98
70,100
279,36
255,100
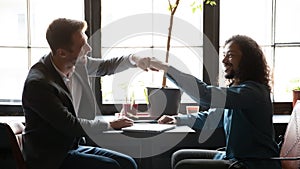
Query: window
x,y
23,39
142,28
272,24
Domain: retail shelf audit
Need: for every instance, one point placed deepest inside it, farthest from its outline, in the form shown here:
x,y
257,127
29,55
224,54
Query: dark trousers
x,y
196,159
97,158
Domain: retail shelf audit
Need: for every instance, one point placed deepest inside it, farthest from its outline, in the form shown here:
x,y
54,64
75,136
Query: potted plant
x,y
295,89
296,95
294,86
166,100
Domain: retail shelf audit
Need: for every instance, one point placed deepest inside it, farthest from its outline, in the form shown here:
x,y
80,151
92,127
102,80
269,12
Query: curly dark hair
x,y
253,65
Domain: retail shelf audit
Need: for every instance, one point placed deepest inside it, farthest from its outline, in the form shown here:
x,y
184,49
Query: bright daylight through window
x,y
23,39
147,42
272,23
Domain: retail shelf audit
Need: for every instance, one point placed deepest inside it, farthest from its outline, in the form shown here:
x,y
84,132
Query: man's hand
x,y
158,65
120,123
141,62
165,119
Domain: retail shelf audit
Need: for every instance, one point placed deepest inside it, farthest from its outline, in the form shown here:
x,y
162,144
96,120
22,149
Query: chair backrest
x,y
10,145
291,143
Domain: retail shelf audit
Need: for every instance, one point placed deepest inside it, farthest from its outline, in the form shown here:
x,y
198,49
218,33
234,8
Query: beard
x,y
230,75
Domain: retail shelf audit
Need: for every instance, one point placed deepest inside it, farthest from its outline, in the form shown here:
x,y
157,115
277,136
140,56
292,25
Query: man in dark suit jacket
x,y
60,107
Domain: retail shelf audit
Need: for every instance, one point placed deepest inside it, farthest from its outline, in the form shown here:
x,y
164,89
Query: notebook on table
x,y
148,128
144,117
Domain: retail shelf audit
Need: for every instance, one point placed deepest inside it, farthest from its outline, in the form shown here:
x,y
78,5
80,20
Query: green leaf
x,y
213,3
200,7
210,2
193,4
194,10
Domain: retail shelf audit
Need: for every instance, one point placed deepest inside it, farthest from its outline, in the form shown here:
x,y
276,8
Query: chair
x,y
290,149
11,145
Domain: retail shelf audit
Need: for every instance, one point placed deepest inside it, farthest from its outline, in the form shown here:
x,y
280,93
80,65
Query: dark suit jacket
x,y
52,126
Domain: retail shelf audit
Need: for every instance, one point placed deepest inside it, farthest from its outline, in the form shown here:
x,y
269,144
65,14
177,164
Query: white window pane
x,y
44,12
13,71
184,31
187,60
269,54
116,88
15,62
120,87
127,28
187,24
286,70
287,21
150,22
247,17
13,30
113,10
184,11
37,53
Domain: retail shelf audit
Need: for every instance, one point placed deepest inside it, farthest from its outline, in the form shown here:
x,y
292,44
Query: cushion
x,y
291,143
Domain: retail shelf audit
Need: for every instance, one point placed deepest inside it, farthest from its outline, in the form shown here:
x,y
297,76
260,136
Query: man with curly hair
x,y
244,109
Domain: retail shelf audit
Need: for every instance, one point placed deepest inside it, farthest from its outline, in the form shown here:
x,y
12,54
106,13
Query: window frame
x,y
210,29
211,23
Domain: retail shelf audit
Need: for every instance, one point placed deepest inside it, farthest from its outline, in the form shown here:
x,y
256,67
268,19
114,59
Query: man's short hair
x,y
60,31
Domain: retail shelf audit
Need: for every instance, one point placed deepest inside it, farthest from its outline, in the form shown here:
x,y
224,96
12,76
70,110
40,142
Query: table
x,y
4,119
281,119
153,151
277,119
280,123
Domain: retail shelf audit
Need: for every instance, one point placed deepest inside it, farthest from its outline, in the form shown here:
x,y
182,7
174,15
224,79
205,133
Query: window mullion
x,y
28,34
211,29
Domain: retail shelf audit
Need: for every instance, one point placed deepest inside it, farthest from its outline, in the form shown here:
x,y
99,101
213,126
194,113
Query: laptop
x,y
148,128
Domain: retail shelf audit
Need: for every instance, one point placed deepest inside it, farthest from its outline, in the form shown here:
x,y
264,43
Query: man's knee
x,y
128,162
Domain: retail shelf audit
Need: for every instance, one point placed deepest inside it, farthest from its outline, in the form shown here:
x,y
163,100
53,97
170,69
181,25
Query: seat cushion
x,y
17,128
291,143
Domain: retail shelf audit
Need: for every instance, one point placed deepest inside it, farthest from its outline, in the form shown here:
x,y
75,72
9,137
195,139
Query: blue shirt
x,y
246,110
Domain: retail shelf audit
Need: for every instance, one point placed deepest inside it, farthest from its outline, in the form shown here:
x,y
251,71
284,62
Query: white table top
x,y
276,118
